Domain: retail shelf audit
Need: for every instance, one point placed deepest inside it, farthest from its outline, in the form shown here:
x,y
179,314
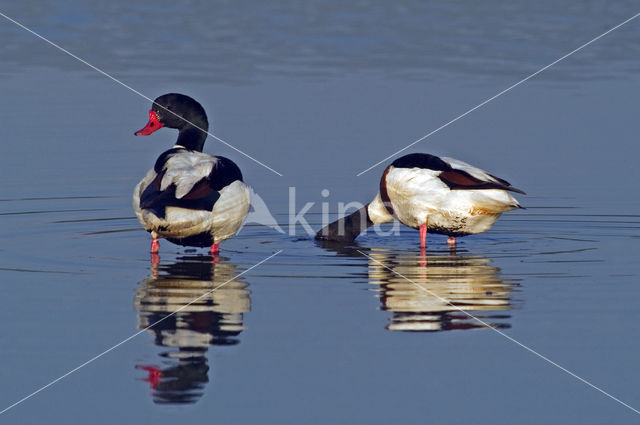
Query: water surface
x,y
321,333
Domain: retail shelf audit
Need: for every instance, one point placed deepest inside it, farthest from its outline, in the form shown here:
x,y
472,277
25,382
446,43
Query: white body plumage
x,y
419,196
184,170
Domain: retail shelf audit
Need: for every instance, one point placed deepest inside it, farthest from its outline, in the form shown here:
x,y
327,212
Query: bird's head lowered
x,y
181,112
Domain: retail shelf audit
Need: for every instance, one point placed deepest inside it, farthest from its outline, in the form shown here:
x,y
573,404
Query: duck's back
x,y
457,197
188,193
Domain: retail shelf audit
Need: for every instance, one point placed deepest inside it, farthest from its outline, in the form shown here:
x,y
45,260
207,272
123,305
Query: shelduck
x,y
432,194
189,198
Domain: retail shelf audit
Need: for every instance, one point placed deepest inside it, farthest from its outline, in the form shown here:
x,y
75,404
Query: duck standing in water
x,y
189,198
439,195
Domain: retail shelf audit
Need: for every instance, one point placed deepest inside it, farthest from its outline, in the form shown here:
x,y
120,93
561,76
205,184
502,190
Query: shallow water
x,y
321,332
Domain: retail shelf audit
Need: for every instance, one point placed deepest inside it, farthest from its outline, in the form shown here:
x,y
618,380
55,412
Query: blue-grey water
x,y
320,91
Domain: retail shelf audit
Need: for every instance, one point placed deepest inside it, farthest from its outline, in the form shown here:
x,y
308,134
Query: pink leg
x,y
155,260
215,249
423,235
155,246
451,241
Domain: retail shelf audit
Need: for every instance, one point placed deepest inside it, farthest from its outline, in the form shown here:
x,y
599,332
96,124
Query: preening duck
x,y
439,195
189,198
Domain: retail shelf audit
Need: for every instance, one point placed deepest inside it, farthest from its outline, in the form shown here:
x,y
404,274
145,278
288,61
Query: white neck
x,y
377,211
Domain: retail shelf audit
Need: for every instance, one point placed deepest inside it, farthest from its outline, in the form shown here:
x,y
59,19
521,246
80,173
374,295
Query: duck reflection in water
x,y
216,319
431,292
436,296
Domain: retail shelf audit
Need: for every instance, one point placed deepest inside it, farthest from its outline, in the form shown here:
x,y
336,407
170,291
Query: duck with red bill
x,y
189,197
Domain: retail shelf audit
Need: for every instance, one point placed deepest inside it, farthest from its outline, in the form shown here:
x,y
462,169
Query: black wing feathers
x,y
452,177
461,180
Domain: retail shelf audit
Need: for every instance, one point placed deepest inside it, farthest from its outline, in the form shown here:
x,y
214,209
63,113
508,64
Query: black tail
x,y
347,228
